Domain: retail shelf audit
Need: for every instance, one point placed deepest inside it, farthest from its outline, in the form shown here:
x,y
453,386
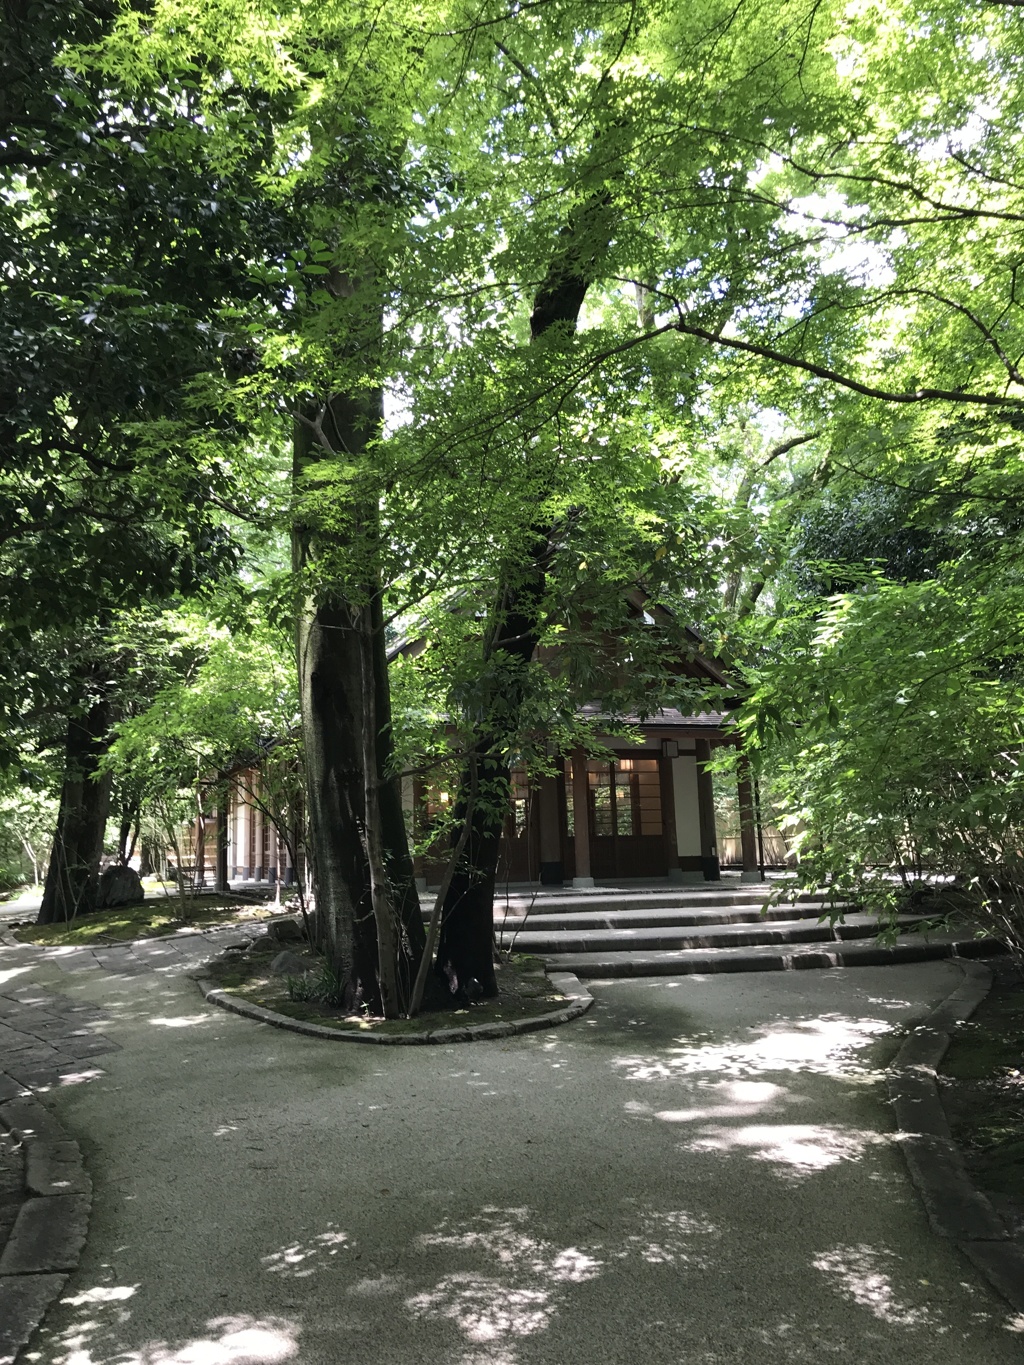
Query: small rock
x,y
285,930
119,886
290,964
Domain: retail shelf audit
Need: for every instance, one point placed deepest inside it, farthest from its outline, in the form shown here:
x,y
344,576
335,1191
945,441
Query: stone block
x,y
24,1300
29,1119
55,1167
95,1045
955,1208
1002,1264
9,1088
285,930
119,886
48,1235
36,1075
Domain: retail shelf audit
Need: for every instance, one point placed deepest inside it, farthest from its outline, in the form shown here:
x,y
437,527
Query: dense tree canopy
x,y
553,302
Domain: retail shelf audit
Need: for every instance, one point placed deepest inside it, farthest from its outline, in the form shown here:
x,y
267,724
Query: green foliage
x,y
235,697
321,985
786,223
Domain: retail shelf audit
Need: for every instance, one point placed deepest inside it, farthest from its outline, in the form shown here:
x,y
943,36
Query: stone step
x,y
675,938
772,957
553,901
667,917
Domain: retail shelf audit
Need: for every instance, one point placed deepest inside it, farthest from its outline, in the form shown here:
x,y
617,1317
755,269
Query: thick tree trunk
x,y
221,883
72,878
465,948
343,686
329,693
465,952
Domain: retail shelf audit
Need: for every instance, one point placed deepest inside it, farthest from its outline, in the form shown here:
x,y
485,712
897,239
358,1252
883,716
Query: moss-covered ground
x,y
524,992
157,917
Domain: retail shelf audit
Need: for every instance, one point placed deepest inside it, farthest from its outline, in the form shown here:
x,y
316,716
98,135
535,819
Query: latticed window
x,y
625,797
520,801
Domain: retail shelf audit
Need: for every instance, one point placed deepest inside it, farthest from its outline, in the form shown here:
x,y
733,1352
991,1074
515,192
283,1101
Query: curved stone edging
x,y
579,998
49,1232
956,1208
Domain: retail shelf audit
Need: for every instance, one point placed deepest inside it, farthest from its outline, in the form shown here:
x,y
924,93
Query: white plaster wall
x,y
684,789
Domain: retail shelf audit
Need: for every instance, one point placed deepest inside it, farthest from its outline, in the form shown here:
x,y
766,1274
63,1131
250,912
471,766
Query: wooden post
x,y
668,817
748,820
581,819
706,808
551,871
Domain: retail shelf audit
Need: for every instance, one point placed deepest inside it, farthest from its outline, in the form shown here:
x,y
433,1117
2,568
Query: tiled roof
x,y
668,718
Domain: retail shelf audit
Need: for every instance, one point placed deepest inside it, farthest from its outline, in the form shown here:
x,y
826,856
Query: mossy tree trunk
x,y
72,878
345,704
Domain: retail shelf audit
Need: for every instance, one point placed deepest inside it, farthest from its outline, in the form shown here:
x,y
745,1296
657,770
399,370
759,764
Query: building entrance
x,y
626,820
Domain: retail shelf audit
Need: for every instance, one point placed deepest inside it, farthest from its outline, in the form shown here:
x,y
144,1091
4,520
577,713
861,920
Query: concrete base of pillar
x,y
690,878
421,883
751,876
582,883
676,874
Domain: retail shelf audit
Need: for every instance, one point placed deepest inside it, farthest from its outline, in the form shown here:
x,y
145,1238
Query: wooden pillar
x,y
220,879
706,809
668,816
551,871
418,809
748,820
581,819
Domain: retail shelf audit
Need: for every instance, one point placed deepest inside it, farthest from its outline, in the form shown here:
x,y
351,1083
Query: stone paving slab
x,y
12,1182
96,1045
48,1235
30,1120
55,1167
23,1301
9,1088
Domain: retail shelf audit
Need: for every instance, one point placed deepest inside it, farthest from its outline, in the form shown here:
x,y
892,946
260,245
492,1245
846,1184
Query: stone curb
x,y
580,1000
956,1208
50,1230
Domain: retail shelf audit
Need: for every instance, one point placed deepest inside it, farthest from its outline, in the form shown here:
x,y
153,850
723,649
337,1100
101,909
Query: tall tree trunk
x,y
343,687
72,878
465,956
465,950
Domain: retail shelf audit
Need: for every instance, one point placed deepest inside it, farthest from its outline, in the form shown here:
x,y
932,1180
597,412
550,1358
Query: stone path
x,y
48,1040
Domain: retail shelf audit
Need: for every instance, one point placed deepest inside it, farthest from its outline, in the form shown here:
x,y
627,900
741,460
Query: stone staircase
x,y
723,927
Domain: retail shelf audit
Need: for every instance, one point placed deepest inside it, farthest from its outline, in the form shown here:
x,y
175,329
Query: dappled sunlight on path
x,y
698,1173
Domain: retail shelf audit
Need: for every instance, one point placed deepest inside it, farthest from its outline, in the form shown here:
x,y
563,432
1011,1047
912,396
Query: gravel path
x,y
699,1171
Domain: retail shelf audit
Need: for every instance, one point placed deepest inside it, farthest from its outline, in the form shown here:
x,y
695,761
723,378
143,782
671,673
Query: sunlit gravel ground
x,y
701,1170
